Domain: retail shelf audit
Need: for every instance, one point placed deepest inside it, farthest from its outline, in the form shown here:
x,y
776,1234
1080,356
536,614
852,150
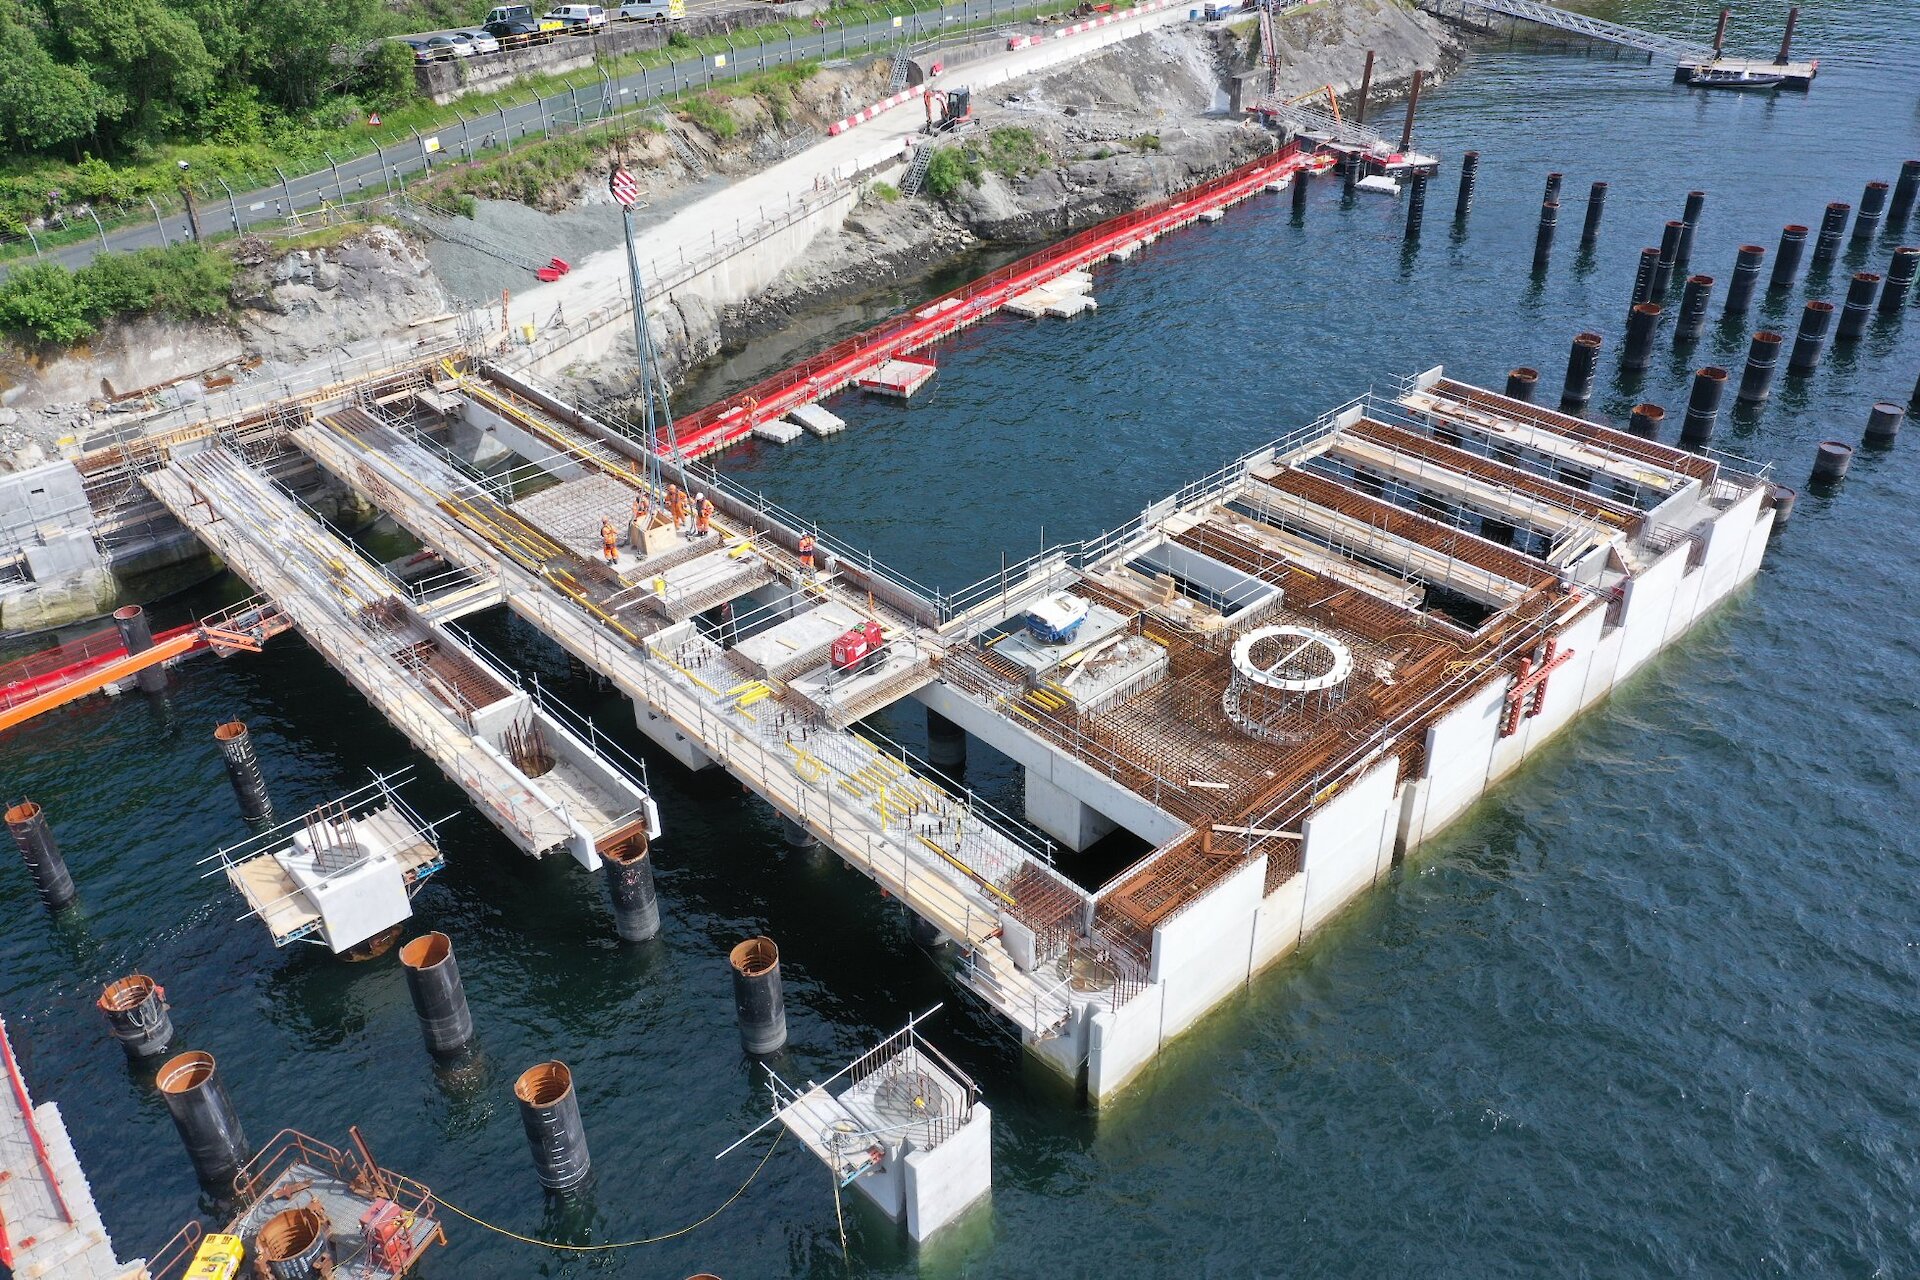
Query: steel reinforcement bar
x,y
728,421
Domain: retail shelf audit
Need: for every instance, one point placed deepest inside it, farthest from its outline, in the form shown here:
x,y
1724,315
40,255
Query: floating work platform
x,y
301,1199
897,379
48,1223
1793,75
719,426
816,420
1065,296
777,431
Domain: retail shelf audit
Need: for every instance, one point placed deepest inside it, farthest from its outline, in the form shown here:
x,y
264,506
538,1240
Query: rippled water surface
x,y
1649,1008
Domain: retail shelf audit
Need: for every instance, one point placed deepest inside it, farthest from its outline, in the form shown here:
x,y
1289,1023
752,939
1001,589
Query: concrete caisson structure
x,y
1421,587
1476,571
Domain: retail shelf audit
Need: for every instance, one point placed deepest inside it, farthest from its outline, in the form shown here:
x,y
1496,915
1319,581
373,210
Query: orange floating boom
x,y
99,678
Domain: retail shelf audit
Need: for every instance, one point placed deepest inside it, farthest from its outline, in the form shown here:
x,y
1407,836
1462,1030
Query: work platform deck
x,y
454,707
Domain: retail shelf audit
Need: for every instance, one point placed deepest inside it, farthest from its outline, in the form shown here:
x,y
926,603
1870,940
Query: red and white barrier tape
x,y
867,113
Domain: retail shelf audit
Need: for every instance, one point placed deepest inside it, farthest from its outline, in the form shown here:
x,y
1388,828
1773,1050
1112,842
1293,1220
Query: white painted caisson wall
x,y
1208,949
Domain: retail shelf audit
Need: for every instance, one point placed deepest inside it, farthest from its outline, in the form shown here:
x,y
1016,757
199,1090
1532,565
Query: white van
x,y
578,15
652,11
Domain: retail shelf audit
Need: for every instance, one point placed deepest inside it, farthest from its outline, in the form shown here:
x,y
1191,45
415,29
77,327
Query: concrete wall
x,y
1231,933
945,1182
1055,768
736,277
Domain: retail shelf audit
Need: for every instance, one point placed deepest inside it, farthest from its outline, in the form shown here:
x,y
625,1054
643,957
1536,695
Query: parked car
x,y
513,32
652,11
454,48
479,39
424,49
578,15
519,13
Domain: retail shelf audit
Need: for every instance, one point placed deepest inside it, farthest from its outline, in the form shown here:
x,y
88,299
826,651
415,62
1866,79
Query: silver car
x,y
479,39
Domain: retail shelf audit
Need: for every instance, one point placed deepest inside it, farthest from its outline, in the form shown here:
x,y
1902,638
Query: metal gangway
x,y
1579,24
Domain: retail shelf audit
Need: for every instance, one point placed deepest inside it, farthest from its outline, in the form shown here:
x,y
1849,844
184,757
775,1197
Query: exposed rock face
x,y
291,305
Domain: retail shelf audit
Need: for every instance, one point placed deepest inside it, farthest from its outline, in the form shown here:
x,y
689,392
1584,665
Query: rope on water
x,y
622,1244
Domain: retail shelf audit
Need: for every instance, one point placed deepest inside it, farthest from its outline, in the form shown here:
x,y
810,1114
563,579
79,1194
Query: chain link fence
x,y
353,184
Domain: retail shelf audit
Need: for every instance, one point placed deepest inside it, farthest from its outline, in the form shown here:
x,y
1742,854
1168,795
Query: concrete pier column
x,y
1643,277
1301,181
1695,297
636,907
1063,815
439,998
1469,179
1781,499
946,743
796,835
1905,188
759,1003
1689,223
1763,356
27,822
1669,257
1746,275
136,1011
550,1115
1521,383
1873,204
1858,309
1884,421
1596,206
1553,186
1830,462
1786,263
1642,323
1900,275
1703,406
1645,421
137,636
243,771
1811,339
203,1113
1833,225
1416,206
1543,235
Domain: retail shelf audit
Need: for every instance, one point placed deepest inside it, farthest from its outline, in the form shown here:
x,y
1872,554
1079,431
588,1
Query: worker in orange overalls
x,y
677,506
806,552
703,516
609,541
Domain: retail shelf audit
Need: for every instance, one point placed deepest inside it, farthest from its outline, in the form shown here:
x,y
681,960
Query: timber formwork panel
x,y
1611,441
1442,539
1550,492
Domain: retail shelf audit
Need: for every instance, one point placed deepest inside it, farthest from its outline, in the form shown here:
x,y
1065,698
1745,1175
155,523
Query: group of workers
x,y
692,514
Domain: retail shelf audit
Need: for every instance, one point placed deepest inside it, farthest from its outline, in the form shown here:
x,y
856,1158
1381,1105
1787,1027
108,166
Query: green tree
x,y
43,105
44,301
149,60
386,77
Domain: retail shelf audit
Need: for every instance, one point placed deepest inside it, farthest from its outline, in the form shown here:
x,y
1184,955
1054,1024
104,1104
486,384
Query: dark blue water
x,y
1649,1008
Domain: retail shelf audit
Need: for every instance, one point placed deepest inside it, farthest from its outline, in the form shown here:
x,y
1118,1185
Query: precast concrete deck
x,y
449,703
937,852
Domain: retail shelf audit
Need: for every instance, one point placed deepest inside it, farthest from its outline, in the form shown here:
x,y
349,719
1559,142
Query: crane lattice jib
x,y
1548,15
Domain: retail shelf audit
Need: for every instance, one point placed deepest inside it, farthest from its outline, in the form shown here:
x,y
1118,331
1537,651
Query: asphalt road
x,y
384,172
